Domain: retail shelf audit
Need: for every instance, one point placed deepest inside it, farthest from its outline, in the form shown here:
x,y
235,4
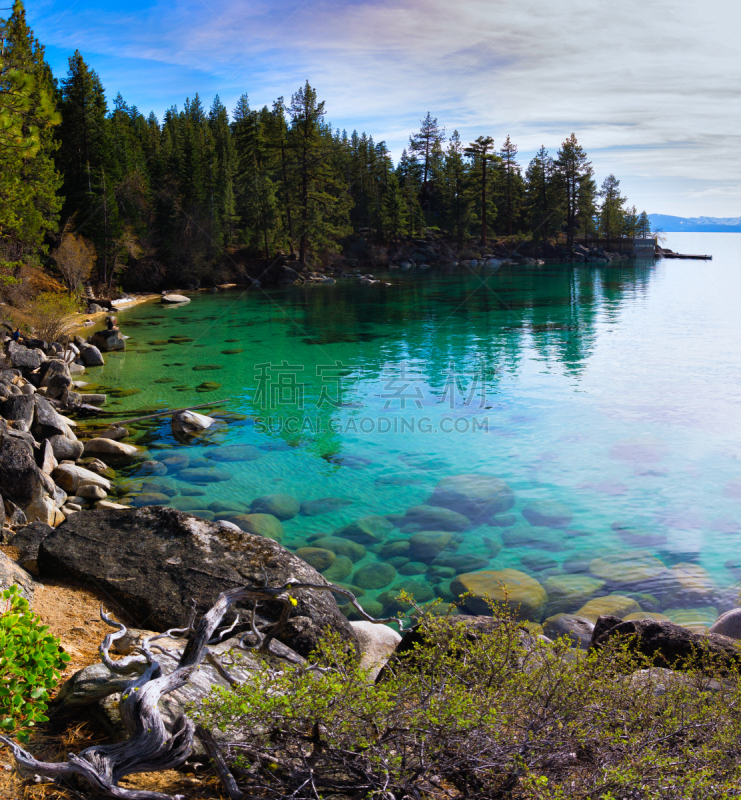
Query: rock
x,y
21,481
236,452
110,447
116,433
374,576
27,541
368,530
696,619
616,605
533,561
203,475
92,357
70,477
688,585
577,629
108,505
317,557
569,592
45,460
435,518
24,358
377,644
56,378
665,643
11,573
186,503
106,341
156,468
526,598
427,545
532,537
342,547
461,563
90,492
155,560
728,624
175,462
171,299
265,525
282,506
548,513
637,570
476,496
65,449
326,505
28,388
47,422
19,407
148,499
504,520
394,549
161,488
645,615
340,569
188,422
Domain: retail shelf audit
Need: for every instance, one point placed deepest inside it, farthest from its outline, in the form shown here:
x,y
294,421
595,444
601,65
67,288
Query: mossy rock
x,y
435,518
175,462
203,513
236,452
124,392
368,530
151,499
208,386
569,592
180,339
317,557
533,561
201,475
206,367
427,545
233,352
412,568
186,503
371,607
522,594
165,380
161,488
548,513
260,524
341,547
374,576
631,569
341,568
283,506
616,605
224,506
399,547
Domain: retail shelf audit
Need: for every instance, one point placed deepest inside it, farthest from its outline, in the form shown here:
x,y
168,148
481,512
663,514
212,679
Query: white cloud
x,y
651,90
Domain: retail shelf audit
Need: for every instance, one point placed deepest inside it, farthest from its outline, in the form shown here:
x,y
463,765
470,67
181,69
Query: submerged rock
x,y
374,576
265,525
236,452
568,592
368,530
342,547
282,506
325,505
476,496
174,299
436,518
548,513
526,598
155,560
616,605
188,422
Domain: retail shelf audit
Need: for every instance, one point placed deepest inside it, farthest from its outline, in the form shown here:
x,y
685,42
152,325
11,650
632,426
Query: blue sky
x,y
650,88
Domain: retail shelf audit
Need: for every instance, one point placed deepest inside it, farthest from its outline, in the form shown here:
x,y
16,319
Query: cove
x,y
605,398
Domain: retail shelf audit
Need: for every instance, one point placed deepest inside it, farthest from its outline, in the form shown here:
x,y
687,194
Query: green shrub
x,y
52,315
495,715
30,661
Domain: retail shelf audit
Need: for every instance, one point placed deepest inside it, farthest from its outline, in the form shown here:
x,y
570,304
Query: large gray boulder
x,y
66,449
91,356
106,341
20,407
156,560
22,357
47,422
11,573
56,378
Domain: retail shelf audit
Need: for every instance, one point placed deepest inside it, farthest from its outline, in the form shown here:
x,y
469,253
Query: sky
x,y
650,87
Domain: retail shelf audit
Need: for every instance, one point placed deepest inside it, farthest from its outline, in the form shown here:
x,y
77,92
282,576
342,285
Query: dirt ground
x,y
73,614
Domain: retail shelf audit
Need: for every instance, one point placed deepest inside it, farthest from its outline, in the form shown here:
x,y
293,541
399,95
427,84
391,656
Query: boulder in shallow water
x,y
548,513
70,477
189,422
91,356
65,449
568,592
155,560
236,452
476,496
174,299
374,576
110,447
342,547
427,545
265,525
728,624
637,570
107,341
436,518
325,505
317,557
282,506
616,605
204,475
526,598
367,530
341,567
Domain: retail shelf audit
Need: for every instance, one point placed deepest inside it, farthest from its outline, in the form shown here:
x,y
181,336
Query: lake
x,y
606,398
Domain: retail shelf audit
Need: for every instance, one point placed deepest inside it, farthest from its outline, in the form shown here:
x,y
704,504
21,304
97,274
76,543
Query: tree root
x,y
151,747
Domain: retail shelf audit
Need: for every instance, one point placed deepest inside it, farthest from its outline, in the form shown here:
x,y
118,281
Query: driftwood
x,y
151,747
164,413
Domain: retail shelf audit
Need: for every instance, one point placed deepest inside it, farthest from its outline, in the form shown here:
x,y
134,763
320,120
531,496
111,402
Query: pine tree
x,y
541,196
455,203
323,198
425,143
409,174
481,153
29,203
643,227
611,213
511,185
575,173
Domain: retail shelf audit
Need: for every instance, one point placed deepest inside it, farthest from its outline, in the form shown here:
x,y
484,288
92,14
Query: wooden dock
x,y
682,255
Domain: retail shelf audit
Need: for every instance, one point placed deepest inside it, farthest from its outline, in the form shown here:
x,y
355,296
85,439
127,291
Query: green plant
x,y
52,315
484,711
30,661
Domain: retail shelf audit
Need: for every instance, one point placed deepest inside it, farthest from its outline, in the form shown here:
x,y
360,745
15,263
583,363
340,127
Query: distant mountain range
x,y
695,224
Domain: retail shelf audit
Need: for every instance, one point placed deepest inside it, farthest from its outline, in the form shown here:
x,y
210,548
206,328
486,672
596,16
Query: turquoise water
x,y
612,390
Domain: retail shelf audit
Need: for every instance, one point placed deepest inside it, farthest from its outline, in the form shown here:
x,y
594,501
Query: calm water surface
x,y
612,390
